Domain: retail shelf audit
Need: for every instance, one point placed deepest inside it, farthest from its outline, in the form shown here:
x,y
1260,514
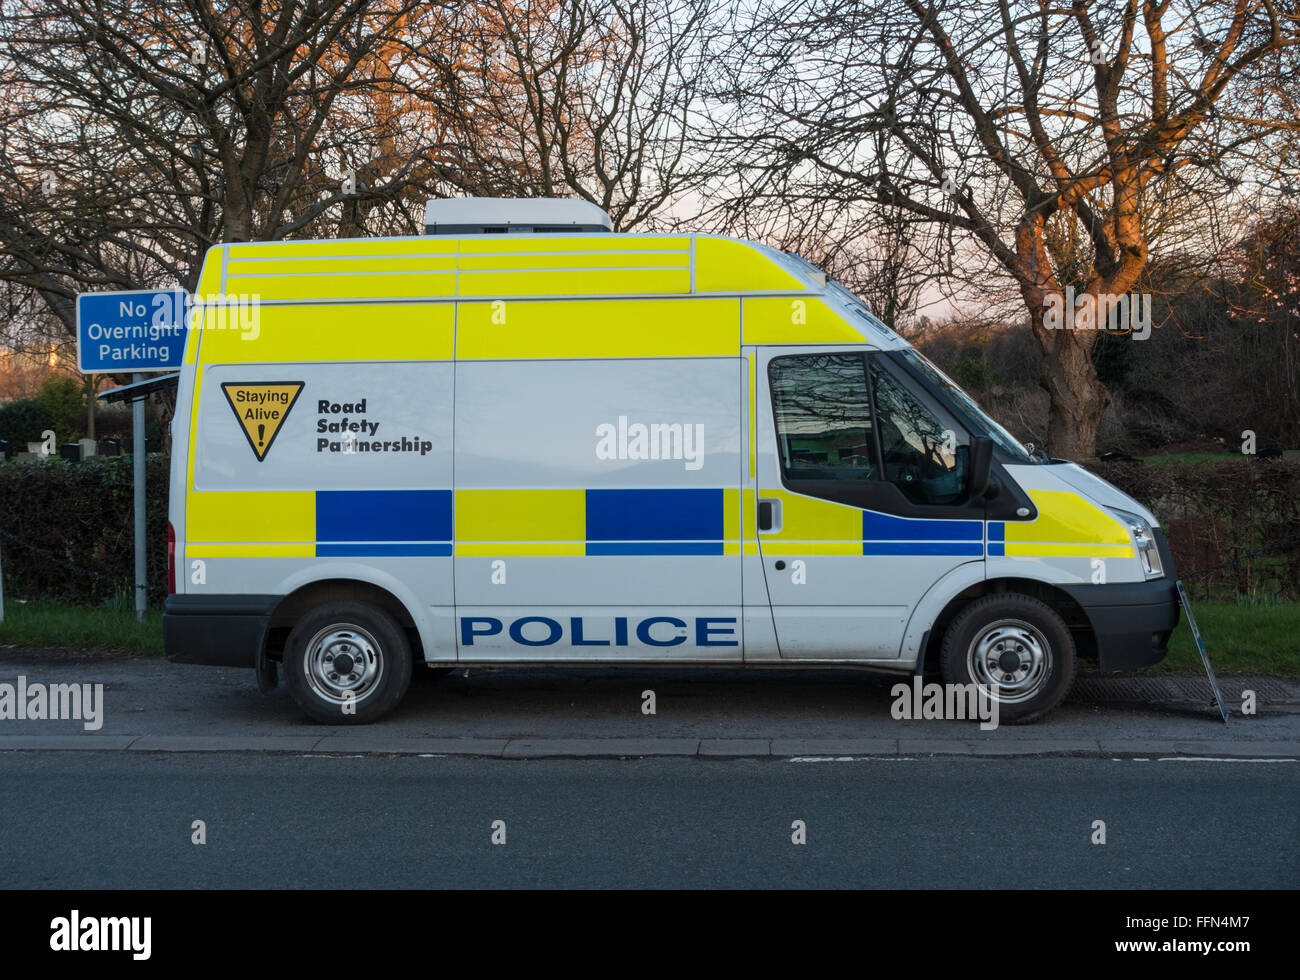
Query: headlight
x,y
1144,541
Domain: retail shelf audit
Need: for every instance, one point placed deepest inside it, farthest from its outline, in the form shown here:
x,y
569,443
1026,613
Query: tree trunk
x,y
1078,398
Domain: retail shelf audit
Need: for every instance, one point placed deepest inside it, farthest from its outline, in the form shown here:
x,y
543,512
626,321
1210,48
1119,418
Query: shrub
x,y
23,422
64,401
1216,512
81,514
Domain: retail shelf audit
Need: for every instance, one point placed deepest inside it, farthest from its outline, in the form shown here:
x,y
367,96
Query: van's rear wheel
x,y
347,663
1016,647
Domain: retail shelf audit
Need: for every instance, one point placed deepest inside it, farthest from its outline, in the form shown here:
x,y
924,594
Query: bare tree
x,y
1019,127
584,98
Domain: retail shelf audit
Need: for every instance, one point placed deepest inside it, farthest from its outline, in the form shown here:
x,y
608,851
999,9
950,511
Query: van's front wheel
x,y
347,663
1016,647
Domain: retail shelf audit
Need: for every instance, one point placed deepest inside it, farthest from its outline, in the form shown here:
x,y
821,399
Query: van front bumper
x,y
219,630
1131,621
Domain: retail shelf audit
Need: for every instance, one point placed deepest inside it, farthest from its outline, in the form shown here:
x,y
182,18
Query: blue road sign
x,y
137,330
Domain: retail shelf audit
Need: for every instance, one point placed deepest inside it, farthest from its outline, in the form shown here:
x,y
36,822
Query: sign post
x,y
133,331
137,465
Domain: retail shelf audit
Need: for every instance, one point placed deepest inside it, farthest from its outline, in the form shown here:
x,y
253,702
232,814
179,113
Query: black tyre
x,y
347,663
1015,647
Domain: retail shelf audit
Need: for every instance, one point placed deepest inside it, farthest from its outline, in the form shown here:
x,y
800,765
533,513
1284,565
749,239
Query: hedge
x,y
80,514
1221,511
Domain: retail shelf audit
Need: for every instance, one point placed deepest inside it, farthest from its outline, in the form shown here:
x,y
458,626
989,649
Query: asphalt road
x,y
124,820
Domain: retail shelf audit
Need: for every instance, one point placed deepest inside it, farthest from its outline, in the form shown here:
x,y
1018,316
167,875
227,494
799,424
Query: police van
x,y
524,439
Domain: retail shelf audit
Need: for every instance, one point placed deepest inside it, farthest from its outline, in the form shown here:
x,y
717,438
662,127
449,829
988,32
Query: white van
x,y
523,439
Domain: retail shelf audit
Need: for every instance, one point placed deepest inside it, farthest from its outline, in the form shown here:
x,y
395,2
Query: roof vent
x,y
512,215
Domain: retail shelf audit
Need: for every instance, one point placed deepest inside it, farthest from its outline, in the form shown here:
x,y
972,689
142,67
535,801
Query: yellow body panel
x,y
343,266
795,320
576,260
809,519
726,266
575,282
1065,517
598,328
344,248
337,331
360,285
600,242
210,275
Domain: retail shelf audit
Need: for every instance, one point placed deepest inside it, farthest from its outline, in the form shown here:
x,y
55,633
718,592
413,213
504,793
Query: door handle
x,y
769,515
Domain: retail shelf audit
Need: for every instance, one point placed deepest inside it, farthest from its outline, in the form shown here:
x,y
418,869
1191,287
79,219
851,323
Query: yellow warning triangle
x,y
261,407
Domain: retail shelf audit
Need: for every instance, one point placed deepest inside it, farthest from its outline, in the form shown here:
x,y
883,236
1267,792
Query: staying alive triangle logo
x,y
261,407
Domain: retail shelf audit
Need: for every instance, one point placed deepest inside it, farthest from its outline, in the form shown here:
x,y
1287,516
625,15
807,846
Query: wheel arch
x,y
1076,619
307,596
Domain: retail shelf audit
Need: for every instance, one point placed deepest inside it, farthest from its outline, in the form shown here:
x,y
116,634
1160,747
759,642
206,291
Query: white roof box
x,y
501,215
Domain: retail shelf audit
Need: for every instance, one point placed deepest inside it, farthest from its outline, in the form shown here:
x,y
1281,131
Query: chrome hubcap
x,y
343,663
1011,659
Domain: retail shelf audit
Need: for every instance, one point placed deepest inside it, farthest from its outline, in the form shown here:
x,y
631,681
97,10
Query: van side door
x,y
597,509
863,502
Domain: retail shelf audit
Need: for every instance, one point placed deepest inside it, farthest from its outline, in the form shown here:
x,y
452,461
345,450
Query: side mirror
x,y
981,465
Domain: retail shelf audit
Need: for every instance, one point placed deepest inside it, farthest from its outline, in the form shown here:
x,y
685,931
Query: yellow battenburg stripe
x,y
1065,517
753,416
806,519
731,532
250,516
781,547
795,320
575,260
250,550
194,428
356,285
496,245
543,516
289,266
598,328
357,249
342,332
519,549
725,266
575,282
1052,550
192,336
210,276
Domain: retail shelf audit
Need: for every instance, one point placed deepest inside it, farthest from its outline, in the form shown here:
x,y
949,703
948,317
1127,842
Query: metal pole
x,y
137,434
2,586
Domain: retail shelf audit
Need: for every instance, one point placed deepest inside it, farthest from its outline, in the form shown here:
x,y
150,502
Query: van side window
x,y
823,417
925,452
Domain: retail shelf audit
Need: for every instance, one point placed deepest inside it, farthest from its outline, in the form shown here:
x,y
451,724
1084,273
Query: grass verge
x,y
1241,638
55,625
